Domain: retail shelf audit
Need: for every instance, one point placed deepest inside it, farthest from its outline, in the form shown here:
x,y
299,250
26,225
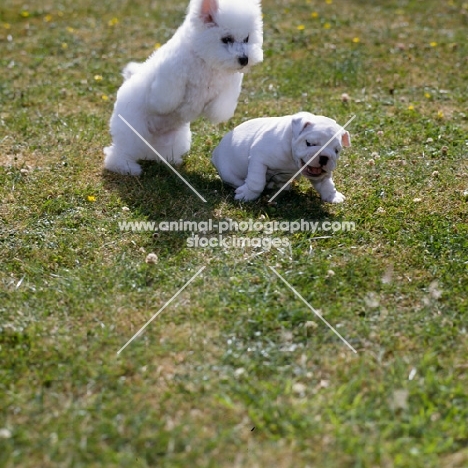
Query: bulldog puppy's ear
x,y
299,124
345,139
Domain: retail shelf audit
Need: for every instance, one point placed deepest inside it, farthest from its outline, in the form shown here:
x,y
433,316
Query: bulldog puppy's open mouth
x,y
310,171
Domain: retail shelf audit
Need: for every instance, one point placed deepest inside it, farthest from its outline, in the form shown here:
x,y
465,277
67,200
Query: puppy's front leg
x,y
254,183
222,107
326,189
166,92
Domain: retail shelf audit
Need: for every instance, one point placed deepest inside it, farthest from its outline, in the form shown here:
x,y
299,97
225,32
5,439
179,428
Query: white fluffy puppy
x,y
198,72
267,152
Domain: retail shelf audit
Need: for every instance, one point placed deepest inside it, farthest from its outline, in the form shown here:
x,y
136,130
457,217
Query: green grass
x,y
236,350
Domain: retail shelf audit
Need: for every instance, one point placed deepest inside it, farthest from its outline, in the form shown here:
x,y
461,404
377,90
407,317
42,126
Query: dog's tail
x,y
130,69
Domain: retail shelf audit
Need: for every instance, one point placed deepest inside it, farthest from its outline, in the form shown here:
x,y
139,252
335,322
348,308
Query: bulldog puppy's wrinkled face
x,y
316,145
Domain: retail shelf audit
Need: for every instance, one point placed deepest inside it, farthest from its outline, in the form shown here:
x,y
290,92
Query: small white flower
x,y
5,433
151,258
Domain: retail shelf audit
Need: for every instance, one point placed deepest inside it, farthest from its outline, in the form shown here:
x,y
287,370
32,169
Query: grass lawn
x,y
237,370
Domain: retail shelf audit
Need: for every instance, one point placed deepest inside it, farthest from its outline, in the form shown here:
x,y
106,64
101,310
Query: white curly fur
x,y
198,72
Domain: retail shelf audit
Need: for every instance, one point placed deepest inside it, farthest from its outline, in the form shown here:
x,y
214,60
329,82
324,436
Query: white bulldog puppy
x,y
268,152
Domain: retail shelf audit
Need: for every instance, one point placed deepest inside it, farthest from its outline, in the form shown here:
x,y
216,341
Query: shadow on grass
x,y
160,195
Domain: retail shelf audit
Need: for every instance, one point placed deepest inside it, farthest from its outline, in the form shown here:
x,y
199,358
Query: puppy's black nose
x,y
323,160
244,60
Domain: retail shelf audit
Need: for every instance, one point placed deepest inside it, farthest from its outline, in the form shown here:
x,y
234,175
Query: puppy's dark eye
x,y
246,40
227,40
337,151
308,143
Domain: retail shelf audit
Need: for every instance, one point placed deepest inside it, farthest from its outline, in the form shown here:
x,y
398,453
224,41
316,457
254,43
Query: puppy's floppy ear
x,y
208,9
299,124
345,139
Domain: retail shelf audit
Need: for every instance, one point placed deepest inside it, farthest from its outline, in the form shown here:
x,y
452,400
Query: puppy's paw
x,y
335,197
124,168
243,193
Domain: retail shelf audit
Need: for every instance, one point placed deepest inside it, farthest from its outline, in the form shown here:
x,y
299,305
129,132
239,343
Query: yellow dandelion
x,y
104,97
327,25
411,107
433,44
24,13
60,13
113,22
91,198
97,77
48,18
314,14
301,27
64,45
440,115
6,26
356,40
328,2
157,45
70,29
427,95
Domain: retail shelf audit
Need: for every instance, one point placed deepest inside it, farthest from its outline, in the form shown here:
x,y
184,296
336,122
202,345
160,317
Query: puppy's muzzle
x,y
323,160
313,171
243,60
